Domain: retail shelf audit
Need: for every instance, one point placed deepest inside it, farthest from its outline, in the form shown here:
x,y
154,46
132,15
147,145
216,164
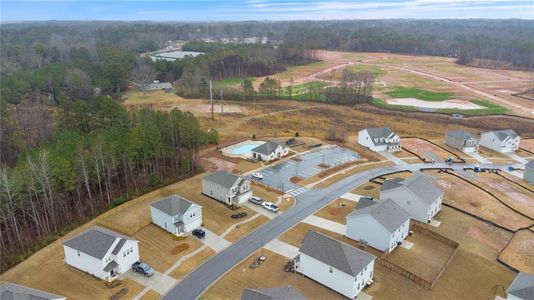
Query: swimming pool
x,y
242,150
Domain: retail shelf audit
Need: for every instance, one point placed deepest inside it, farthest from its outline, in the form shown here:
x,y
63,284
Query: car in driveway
x,y
199,233
143,268
255,200
257,175
270,206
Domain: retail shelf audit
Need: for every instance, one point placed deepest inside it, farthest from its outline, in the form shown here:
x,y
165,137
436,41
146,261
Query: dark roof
x,y
386,212
285,292
112,265
12,291
530,164
118,247
523,286
223,178
335,253
379,132
266,148
95,241
503,134
172,205
364,202
461,134
418,185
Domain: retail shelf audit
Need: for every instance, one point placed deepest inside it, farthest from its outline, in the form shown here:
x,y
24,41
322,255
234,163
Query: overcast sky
x,y
234,10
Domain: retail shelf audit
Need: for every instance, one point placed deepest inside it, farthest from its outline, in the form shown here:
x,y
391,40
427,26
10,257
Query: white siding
x,y
124,260
162,220
84,262
490,140
215,191
367,228
364,139
192,218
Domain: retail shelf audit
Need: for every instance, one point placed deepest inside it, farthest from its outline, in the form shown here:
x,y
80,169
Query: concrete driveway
x,y
214,241
325,224
282,248
158,282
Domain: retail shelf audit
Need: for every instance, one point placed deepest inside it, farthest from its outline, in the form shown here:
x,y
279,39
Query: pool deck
x,y
241,149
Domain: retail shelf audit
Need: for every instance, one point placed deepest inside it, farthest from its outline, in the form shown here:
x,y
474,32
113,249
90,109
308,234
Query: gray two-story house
x,y
175,214
462,140
227,188
528,175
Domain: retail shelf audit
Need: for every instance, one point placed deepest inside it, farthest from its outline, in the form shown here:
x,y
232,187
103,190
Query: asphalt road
x,y
192,286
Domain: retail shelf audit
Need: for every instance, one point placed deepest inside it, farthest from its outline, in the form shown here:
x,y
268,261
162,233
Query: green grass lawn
x,y
490,108
234,81
375,70
407,92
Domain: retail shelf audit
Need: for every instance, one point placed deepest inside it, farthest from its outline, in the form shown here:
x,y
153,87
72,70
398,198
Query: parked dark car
x,y
199,233
239,215
142,268
255,200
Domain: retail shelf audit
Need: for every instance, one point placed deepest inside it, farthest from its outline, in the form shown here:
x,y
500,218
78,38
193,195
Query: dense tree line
x,y
100,156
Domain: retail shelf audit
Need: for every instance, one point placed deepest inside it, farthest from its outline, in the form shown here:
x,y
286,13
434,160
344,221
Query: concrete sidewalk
x,y
282,248
392,157
214,241
479,157
325,224
351,197
516,158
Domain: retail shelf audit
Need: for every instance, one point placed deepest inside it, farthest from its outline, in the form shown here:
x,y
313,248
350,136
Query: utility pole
x,y
222,102
211,99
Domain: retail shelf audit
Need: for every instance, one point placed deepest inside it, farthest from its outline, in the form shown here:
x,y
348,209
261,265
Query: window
x,y
331,270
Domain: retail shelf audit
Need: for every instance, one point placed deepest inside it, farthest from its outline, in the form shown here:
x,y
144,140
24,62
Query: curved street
x,y
192,286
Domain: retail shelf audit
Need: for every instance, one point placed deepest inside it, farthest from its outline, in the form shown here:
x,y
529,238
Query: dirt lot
x,y
512,194
244,229
527,144
337,210
425,259
518,254
421,147
270,274
369,189
470,198
191,263
156,247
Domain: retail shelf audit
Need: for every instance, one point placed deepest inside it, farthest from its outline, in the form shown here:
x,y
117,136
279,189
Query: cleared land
x,y
528,144
518,253
425,149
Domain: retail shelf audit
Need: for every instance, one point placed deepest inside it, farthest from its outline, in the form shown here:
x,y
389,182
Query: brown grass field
x,y
344,174
191,263
527,144
470,198
151,295
518,253
337,210
244,229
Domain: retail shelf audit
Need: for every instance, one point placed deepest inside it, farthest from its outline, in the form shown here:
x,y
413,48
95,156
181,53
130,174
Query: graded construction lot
x,y
270,274
518,253
527,144
465,196
425,149
161,249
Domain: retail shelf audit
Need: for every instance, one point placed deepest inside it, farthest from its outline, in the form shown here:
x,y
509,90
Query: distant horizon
x,y
262,10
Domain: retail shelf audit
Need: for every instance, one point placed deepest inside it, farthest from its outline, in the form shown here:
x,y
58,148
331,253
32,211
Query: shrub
x,y
117,202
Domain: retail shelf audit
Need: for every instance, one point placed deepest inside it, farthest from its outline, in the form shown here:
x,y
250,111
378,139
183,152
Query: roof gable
x,y
96,241
173,205
223,178
266,148
334,253
386,212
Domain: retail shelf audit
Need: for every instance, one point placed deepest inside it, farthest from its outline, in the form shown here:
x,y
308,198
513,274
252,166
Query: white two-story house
x,y
379,139
101,252
339,266
175,214
416,195
383,225
502,141
269,151
227,188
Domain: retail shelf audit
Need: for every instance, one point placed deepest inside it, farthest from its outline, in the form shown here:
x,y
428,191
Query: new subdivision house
x,y
226,187
175,214
339,266
383,224
502,141
101,252
12,291
528,175
522,288
416,195
379,139
462,140
285,292
269,151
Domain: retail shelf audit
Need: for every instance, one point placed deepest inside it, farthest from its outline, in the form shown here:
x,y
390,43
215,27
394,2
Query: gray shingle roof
x,y
380,132
523,286
95,241
12,291
364,202
530,164
223,178
172,205
112,265
266,148
418,185
335,253
461,134
386,212
118,247
285,292
503,134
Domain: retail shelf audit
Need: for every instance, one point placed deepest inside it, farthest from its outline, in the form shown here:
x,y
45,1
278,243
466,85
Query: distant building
x,y
383,224
379,139
462,140
522,288
101,252
528,175
174,55
416,195
227,188
12,291
339,266
177,215
285,292
502,141
457,116
156,86
269,151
